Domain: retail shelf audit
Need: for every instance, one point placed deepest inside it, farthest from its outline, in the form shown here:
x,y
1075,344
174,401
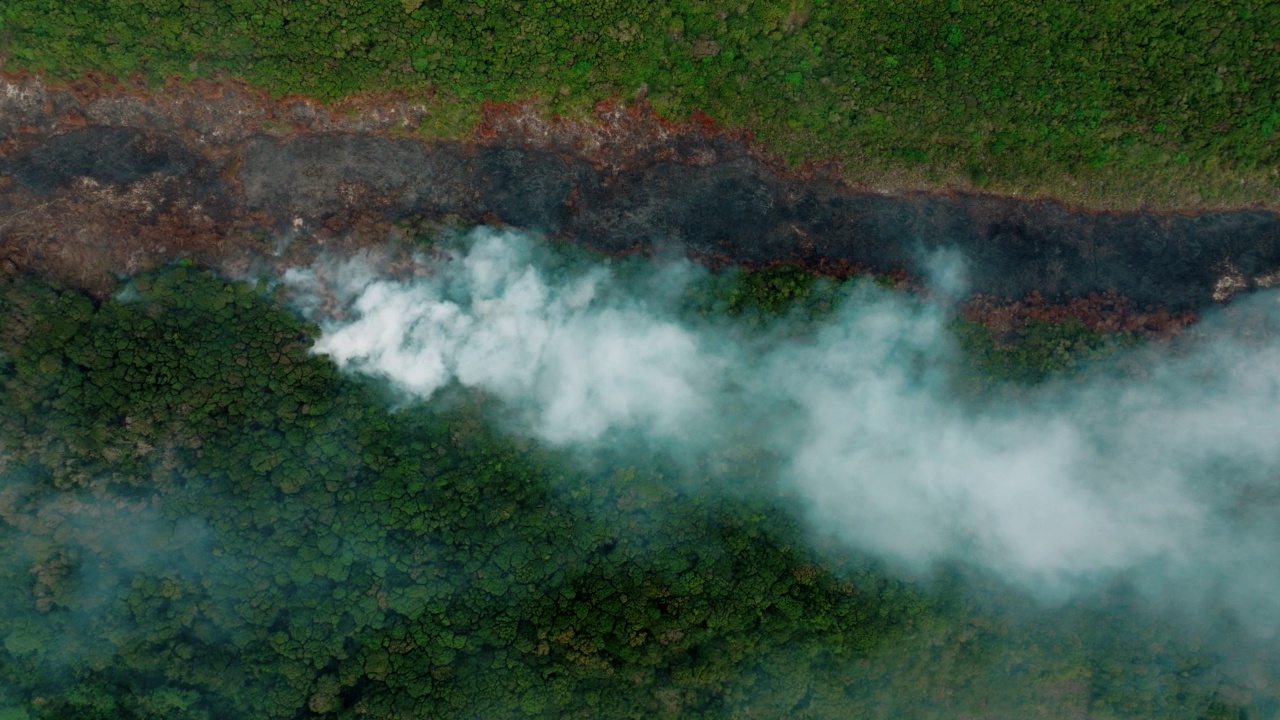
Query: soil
x,y
100,178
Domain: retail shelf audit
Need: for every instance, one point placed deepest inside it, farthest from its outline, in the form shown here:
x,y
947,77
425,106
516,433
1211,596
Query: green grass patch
x,y
1032,93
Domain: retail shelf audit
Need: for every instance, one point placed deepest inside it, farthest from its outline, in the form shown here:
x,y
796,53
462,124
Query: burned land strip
x,y
100,179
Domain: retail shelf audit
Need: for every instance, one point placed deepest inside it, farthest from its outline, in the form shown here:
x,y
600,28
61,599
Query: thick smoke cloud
x,y
579,364
1164,480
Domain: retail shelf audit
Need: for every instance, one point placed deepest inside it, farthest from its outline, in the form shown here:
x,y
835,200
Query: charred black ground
x,y
736,209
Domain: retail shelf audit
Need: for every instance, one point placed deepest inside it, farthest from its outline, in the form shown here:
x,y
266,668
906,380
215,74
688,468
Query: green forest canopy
x,y
200,519
1113,102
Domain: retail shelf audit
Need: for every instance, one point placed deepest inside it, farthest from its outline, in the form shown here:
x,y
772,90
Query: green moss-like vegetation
x,y
1164,102
1036,351
761,298
199,519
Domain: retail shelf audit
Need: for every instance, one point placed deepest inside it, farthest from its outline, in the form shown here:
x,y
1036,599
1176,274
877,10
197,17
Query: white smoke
x,y
579,365
1072,483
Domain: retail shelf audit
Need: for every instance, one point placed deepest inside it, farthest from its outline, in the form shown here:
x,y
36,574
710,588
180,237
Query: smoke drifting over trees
x,y
618,489
1063,488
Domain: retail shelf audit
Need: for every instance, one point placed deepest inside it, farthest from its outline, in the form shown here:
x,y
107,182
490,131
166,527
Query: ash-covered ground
x,y
98,180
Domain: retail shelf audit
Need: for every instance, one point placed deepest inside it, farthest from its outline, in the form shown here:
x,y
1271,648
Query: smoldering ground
x,y
1167,480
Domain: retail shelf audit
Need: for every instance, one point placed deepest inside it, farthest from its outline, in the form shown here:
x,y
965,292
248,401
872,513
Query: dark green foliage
x,y
307,549
1176,94
200,520
763,297
1035,351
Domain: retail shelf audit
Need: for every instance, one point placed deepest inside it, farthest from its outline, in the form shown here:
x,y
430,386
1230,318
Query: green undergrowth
x,y
781,294
200,519
1109,102
792,300
1036,351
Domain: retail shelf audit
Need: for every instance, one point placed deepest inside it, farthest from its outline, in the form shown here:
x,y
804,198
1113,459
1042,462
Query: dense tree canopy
x,y
200,519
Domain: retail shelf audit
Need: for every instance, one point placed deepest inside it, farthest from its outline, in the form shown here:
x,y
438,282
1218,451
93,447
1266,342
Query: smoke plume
x,y
1167,480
